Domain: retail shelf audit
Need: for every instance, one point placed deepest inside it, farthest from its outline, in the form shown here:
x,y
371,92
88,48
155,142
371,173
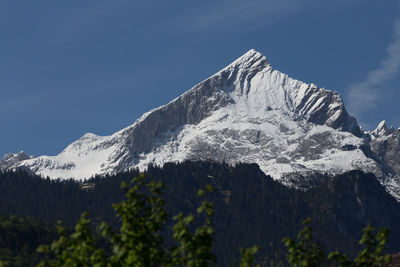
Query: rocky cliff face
x,y
247,112
9,160
250,80
386,145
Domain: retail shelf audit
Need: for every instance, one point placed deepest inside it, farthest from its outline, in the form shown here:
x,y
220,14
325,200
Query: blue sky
x,y
71,67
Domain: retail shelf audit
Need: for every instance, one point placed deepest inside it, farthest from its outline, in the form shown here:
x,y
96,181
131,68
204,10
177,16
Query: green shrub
x,y
139,241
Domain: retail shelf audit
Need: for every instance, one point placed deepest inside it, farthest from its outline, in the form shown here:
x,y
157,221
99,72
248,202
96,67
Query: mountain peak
x,y
251,55
382,126
382,129
251,59
247,112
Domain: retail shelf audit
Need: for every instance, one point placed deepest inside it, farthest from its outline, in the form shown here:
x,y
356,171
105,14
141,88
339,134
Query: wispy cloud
x,y
233,13
364,95
20,105
88,20
251,14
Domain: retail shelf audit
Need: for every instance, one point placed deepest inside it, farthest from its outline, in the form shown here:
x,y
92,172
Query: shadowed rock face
x,y
317,105
190,108
330,111
387,147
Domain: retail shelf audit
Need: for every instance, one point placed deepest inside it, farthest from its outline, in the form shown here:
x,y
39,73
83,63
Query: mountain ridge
x,y
246,112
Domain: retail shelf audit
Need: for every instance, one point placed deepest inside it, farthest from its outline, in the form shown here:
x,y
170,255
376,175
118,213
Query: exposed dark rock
x,y
388,149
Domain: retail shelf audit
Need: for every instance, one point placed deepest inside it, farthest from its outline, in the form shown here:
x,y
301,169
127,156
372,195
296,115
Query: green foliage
x,y
139,241
19,238
77,249
373,253
194,249
248,256
249,208
305,252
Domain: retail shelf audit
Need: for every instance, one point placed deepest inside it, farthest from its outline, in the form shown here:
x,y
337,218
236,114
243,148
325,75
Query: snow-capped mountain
x,y
10,160
247,112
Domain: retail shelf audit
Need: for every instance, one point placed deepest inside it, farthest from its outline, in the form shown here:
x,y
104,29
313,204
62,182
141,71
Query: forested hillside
x,y
19,238
250,208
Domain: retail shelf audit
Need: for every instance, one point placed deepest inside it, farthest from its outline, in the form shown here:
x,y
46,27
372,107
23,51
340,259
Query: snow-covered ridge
x,y
10,160
247,112
381,130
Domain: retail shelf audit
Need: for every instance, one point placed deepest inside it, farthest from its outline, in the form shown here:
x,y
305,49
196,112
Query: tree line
x,y
249,207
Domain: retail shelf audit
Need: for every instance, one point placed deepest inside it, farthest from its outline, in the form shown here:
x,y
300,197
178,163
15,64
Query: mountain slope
x,y
385,144
247,112
250,207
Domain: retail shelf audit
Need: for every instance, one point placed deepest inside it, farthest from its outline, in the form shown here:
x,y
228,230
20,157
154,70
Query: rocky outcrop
x,y
11,160
386,145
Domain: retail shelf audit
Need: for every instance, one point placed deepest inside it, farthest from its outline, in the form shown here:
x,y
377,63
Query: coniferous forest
x,y
250,208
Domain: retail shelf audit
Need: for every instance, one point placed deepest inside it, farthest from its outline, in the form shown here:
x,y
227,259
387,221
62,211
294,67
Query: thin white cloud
x,y
244,15
101,16
364,95
21,104
235,13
